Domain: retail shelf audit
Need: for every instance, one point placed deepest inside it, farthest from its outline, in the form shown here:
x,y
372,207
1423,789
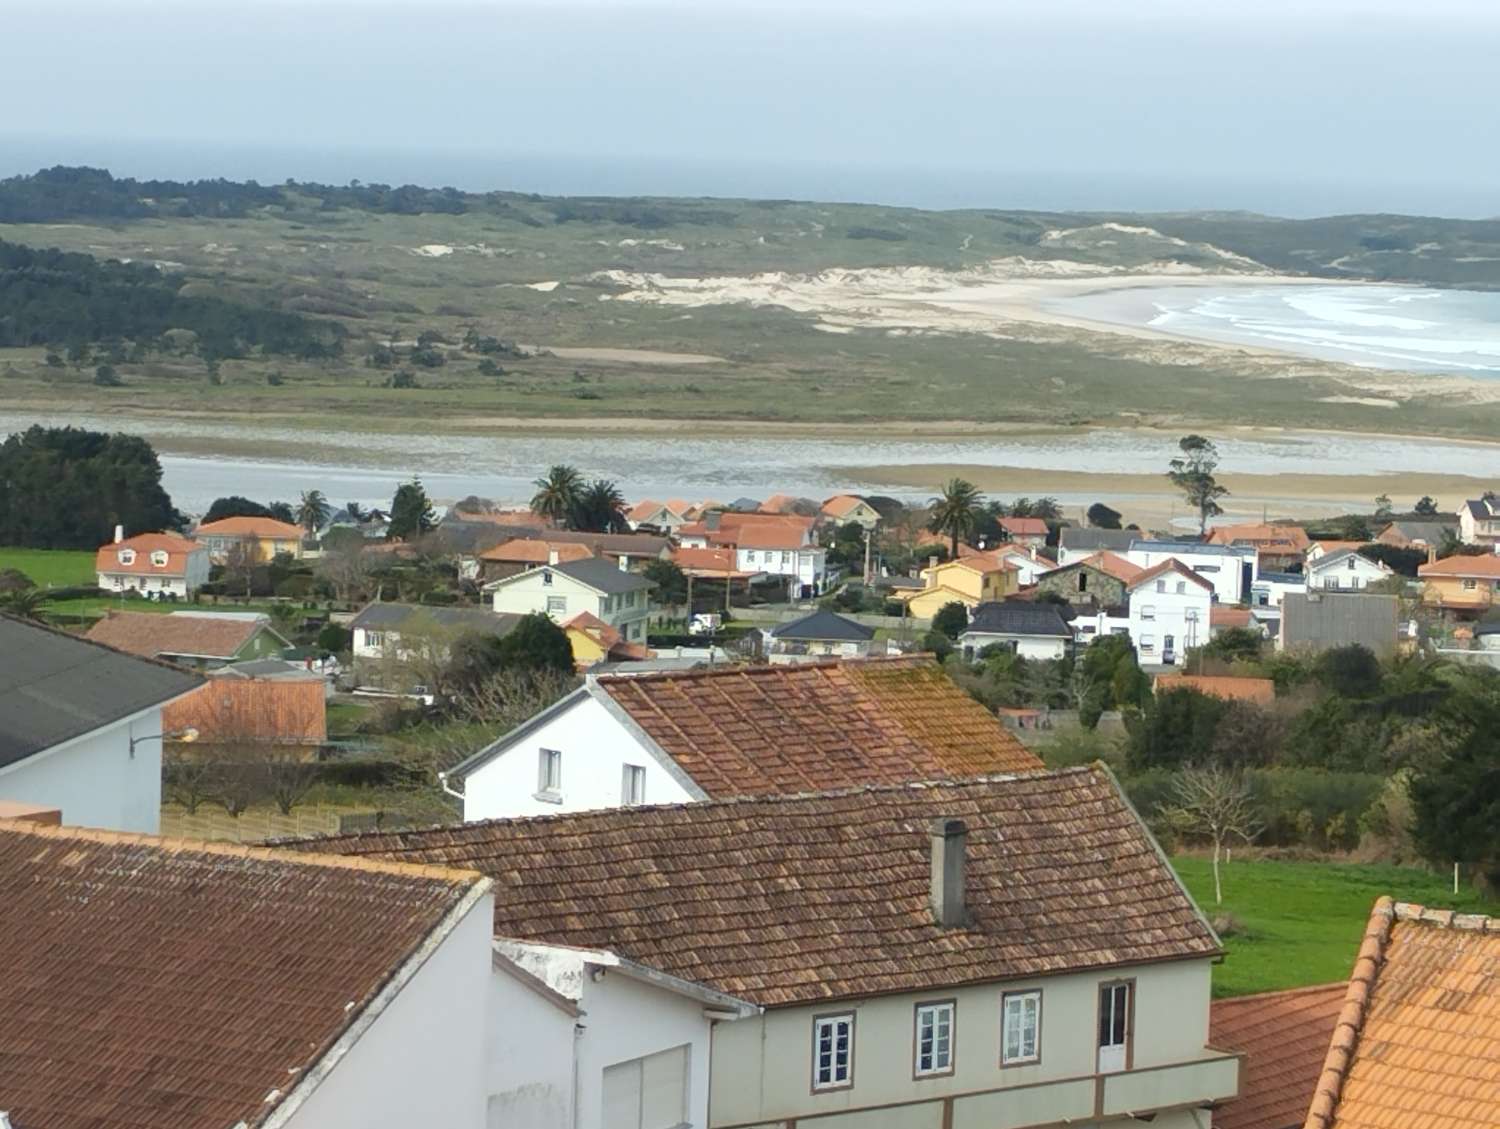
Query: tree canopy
x,y
1192,472
411,512
557,493
956,512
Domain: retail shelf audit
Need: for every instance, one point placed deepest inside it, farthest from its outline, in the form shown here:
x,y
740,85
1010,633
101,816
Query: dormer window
x,y
127,557
159,558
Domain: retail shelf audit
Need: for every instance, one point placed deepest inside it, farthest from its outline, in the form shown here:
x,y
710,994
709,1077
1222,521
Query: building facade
x,y
608,592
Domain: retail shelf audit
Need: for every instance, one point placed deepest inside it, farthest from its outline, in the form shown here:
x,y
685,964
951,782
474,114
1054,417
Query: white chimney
x,y
119,536
551,556
624,563
949,840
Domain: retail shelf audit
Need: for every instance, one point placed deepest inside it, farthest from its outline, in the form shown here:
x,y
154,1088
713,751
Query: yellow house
x,y
1461,584
594,641
267,535
968,582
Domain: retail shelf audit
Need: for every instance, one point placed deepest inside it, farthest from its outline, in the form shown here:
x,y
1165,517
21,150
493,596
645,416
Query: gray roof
x,y
1090,540
1432,532
1153,545
602,576
1332,619
392,616
824,624
55,687
1487,627
265,668
1018,617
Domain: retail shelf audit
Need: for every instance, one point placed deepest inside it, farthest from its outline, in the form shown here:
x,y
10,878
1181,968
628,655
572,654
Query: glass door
x,y
1114,1027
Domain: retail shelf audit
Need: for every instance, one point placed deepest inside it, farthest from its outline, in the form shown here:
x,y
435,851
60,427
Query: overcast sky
x,y
1283,105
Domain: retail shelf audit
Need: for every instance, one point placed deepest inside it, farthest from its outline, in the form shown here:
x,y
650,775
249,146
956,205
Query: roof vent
x,y
949,842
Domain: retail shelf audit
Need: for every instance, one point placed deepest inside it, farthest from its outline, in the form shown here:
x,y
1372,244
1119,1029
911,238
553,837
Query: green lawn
x,y
57,568
1300,922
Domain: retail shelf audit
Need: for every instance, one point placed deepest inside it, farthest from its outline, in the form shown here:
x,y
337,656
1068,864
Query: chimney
x,y
552,555
932,561
949,838
119,534
624,563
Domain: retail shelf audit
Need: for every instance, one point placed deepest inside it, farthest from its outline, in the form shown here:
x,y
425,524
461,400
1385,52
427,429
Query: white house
x,y
1169,611
844,508
157,565
396,646
655,515
81,728
619,598
1271,588
1231,569
1028,561
166,983
1030,630
1033,963
1345,570
685,735
785,553
1479,521
821,634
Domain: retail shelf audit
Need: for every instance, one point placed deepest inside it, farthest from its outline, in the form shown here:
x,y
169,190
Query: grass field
x,y
51,568
1300,923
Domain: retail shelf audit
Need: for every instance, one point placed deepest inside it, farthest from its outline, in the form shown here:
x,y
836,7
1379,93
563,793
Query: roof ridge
x,y
238,850
1281,993
764,668
1351,1019
1447,918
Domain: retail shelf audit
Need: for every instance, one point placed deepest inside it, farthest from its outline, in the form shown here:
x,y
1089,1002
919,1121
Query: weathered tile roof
x,y
1260,691
237,710
802,898
1223,615
161,984
1480,565
761,730
266,527
1275,537
527,550
55,687
142,545
1024,526
393,617
150,634
1417,1045
1111,564
1171,564
1284,1036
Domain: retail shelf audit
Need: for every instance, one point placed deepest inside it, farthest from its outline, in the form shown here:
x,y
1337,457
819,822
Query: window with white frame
x,y
127,556
833,1052
556,605
374,638
549,772
159,558
1161,585
1148,611
934,1050
1469,584
1020,1028
633,785
1148,642
1181,587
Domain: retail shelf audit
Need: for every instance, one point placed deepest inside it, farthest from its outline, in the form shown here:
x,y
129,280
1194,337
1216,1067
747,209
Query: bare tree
x,y
240,562
346,568
257,741
188,777
1215,803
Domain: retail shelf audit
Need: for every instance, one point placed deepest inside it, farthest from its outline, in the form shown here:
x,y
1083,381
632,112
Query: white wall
x,y
1348,573
94,779
763,1066
529,1072
422,1060
1224,571
1182,615
1274,590
595,747
1027,646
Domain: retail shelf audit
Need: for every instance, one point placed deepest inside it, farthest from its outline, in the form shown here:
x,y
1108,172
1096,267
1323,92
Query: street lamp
x,y
186,734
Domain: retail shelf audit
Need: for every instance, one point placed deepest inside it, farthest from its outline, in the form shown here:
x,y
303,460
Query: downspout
x,y
577,1080
443,783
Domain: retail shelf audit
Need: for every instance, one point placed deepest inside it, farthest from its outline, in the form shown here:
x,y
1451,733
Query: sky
x,y
1292,107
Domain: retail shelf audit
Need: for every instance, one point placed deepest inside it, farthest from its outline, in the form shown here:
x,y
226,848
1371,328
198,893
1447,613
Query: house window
x,y
549,772
127,556
1181,587
750,555
375,638
546,577
633,785
1161,585
1148,611
1350,564
1330,582
1148,642
159,559
1020,1028
1469,584
786,559
833,1052
557,605
934,1052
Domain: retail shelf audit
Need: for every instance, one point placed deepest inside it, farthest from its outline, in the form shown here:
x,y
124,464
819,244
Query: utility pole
x,y
869,534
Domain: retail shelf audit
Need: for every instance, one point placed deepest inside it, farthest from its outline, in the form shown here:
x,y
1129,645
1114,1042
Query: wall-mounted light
x,y
185,734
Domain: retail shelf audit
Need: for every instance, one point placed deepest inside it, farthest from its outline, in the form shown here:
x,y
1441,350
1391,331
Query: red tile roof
x,y
235,711
841,505
1221,615
262,527
1260,691
1418,1037
1291,538
1284,1036
812,726
150,634
708,562
1112,564
526,550
1485,566
798,899
1170,565
1024,526
178,549
163,984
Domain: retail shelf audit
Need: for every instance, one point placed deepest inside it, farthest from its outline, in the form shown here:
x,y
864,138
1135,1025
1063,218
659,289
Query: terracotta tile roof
x,y
1418,1039
1261,691
178,549
525,550
150,634
1485,566
1327,547
1172,565
841,504
812,726
253,709
1221,615
1274,537
1112,564
267,527
758,537
797,899
161,984
1024,526
1284,1036
648,509
778,503
708,562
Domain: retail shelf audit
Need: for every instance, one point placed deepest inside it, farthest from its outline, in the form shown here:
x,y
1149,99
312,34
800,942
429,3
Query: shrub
x,y
938,643
334,639
952,619
105,376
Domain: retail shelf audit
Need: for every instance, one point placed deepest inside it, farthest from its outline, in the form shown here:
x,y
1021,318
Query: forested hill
x,y
1419,249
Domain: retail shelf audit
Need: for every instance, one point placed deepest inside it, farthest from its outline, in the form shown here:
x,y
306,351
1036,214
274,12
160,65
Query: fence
x,y
260,824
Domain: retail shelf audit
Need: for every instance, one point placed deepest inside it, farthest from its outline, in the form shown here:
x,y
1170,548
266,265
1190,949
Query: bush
x,y
1313,807
952,619
334,639
938,643
105,376
439,598
298,586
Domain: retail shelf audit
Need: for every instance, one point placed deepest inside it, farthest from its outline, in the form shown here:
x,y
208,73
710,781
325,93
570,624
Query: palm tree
x,y
599,508
355,511
313,511
557,494
23,603
955,512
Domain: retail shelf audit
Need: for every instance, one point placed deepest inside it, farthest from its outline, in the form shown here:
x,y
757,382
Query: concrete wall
x,y
94,779
422,1061
595,747
1225,571
763,1066
1027,646
529,1073
1182,615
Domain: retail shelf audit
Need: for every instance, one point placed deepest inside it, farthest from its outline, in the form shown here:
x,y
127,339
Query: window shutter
x,y
622,1095
664,1089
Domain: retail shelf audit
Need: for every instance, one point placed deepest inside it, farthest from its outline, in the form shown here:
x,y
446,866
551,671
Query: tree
x,y
1192,472
1217,804
1234,644
411,512
1456,799
241,561
599,508
1101,516
105,376
23,603
1177,727
234,506
334,639
536,644
1350,672
1425,506
670,581
344,566
282,511
313,511
952,619
557,492
1383,509
955,512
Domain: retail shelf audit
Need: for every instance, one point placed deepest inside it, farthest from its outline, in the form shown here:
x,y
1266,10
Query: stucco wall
x,y
529,1073
94,779
422,1061
1170,611
1225,571
763,1066
595,748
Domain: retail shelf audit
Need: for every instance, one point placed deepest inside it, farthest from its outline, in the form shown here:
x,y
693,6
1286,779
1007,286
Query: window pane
x,y
1120,1009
